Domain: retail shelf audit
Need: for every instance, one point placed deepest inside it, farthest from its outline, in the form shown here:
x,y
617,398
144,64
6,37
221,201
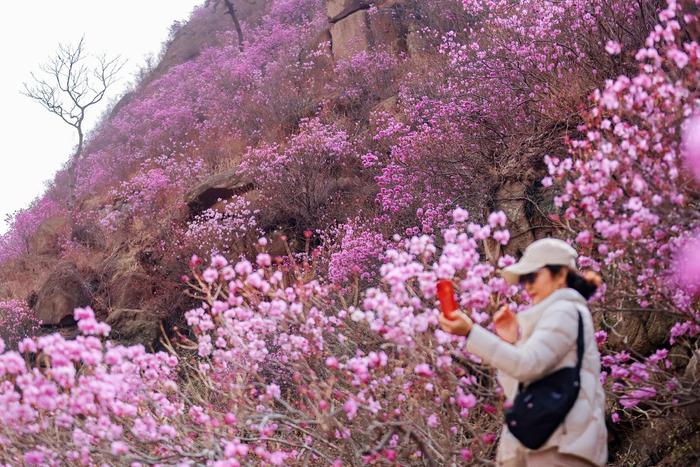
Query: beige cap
x,y
547,251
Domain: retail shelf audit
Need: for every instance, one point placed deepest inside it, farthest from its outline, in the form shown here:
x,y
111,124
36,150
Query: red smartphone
x,y
446,297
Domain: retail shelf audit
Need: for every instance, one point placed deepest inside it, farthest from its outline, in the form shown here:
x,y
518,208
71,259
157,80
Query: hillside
x,y
331,157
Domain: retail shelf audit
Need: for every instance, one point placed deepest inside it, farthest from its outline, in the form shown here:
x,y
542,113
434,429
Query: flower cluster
x,y
157,183
275,369
81,401
625,192
358,254
17,321
307,177
219,230
301,368
631,205
362,80
24,225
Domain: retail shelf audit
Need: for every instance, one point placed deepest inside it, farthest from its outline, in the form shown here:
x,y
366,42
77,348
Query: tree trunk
x,y
236,24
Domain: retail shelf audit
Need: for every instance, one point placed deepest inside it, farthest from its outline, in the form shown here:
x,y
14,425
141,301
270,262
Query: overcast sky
x,y
34,143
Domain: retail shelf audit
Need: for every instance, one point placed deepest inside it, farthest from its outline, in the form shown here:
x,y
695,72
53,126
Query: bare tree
x,y
231,10
70,86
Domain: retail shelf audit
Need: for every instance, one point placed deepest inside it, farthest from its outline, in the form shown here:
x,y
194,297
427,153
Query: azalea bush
x,y
278,367
160,182
221,91
310,178
539,58
17,321
630,203
331,356
225,230
626,193
275,368
313,376
358,251
24,224
67,401
497,97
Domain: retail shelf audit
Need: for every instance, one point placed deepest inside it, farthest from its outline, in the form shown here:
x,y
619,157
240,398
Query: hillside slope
x,y
338,126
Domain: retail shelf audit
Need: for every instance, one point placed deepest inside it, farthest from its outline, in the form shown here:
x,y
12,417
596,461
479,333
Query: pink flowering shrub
x,y
17,321
630,205
538,58
85,401
157,181
362,80
686,267
357,255
24,224
309,177
497,97
277,368
309,373
647,386
690,145
220,92
624,193
222,230
426,165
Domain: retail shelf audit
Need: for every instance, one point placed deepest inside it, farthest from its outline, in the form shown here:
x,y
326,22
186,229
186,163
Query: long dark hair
x,y
575,281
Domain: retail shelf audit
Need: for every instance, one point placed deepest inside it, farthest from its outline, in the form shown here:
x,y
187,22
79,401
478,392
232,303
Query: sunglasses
x,y
528,278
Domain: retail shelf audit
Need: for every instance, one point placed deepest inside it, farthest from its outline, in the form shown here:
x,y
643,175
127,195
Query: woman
x,y
539,341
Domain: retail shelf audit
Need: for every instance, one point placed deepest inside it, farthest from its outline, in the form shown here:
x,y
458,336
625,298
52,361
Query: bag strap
x,y
579,344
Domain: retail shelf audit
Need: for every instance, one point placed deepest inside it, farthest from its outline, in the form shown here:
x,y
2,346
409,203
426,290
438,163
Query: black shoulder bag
x,y
541,406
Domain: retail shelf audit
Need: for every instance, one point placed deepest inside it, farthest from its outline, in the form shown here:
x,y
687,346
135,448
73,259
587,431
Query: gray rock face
x,y
354,29
339,9
131,326
512,201
351,35
219,186
47,239
62,292
130,288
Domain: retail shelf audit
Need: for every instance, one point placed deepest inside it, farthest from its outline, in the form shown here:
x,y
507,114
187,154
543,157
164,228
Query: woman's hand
x,y
506,324
458,323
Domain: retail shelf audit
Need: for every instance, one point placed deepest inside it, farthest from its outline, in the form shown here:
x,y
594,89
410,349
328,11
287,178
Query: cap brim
x,y
513,272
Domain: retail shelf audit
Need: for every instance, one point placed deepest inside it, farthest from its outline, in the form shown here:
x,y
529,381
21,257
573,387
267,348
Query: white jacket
x,y
547,342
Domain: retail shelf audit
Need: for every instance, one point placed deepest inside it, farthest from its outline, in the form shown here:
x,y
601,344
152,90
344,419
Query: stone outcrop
x,y
130,288
340,9
692,370
637,331
511,200
350,35
219,186
132,326
388,106
89,235
47,239
63,291
388,27
354,28
127,283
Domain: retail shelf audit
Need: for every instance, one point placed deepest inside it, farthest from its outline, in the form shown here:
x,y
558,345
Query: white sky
x,y
33,142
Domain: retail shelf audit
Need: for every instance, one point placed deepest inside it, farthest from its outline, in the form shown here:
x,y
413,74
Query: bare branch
x,y
71,84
